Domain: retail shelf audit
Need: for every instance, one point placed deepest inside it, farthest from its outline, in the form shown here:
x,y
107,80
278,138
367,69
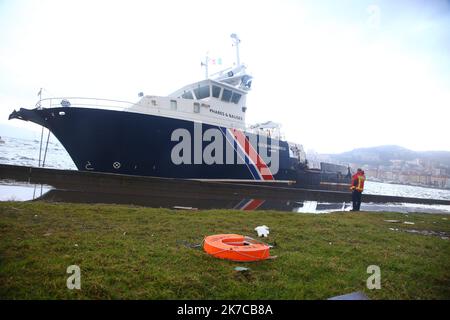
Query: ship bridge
x,y
219,100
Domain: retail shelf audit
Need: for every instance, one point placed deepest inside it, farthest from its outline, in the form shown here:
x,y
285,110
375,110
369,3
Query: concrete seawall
x,y
87,181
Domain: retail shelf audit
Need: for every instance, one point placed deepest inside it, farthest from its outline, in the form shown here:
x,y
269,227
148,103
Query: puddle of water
x,y
23,192
405,208
441,234
324,207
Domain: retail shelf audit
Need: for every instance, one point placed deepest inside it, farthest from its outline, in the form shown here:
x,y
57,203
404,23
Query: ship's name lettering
x,y
225,114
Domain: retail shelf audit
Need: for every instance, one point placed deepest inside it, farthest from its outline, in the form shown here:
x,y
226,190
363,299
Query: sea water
x,y
26,153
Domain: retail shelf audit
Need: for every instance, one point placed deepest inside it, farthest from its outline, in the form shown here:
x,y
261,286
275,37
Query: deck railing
x,y
83,102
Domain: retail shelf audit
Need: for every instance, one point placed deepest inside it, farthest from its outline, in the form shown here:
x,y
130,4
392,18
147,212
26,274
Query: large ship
x,y
197,132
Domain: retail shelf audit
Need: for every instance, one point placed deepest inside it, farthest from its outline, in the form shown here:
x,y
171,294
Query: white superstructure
x,y
218,100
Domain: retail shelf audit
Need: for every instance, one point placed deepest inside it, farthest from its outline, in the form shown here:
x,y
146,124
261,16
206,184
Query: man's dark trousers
x,y
356,198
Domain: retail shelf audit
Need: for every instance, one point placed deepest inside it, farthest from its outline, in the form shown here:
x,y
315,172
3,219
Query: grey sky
x,y
323,69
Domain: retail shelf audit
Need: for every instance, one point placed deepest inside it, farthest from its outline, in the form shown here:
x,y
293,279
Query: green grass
x,y
127,252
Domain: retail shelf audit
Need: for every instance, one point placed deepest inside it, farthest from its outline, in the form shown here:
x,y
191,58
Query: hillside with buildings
x,y
395,164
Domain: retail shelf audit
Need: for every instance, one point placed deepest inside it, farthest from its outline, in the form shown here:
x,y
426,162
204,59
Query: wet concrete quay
x,y
93,187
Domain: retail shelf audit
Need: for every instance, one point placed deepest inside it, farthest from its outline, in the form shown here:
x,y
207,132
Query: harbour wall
x,y
87,181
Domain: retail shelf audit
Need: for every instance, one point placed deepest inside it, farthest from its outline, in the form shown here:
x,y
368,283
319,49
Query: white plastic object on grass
x,y
262,231
241,269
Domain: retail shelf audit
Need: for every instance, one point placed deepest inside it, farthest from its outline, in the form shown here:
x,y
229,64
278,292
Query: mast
x,y
236,42
205,64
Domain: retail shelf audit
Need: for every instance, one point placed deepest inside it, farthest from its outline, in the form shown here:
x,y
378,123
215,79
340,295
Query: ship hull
x,y
139,144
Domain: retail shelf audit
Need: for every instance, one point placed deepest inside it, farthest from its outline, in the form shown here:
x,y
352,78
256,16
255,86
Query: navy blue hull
x,y
139,144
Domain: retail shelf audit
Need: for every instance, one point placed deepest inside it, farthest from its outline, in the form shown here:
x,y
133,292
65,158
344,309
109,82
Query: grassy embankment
x,y
130,252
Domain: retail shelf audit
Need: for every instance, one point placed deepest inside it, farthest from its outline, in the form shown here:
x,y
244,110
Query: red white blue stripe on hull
x,y
249,204
256,165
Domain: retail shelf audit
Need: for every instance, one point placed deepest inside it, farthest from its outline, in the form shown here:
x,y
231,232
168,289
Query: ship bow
x,y
32,115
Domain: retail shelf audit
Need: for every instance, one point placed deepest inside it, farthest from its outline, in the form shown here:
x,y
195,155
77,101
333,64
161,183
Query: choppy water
x,y
26,152
372,187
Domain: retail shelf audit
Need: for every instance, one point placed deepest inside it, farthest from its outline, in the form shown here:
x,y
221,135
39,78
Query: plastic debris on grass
x,y
184,208
262,231
241,269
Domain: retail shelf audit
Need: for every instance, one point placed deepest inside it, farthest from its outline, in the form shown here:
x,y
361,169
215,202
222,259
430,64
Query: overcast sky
x,y
337,75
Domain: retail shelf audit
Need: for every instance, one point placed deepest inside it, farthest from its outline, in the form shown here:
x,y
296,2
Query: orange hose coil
x,y
235,247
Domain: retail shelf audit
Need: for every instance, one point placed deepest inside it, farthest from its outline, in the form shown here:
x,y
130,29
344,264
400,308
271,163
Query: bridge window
x,y
236,97
202,92
226,95
216,91
187,95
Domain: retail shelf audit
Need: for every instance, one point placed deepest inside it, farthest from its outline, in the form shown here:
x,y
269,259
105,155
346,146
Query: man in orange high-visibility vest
x,y
357,188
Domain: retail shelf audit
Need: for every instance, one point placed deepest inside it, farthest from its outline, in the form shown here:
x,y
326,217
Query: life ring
x,y
235,247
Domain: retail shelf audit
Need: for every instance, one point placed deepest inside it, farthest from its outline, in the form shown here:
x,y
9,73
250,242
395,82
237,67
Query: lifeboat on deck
x,y
235,247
